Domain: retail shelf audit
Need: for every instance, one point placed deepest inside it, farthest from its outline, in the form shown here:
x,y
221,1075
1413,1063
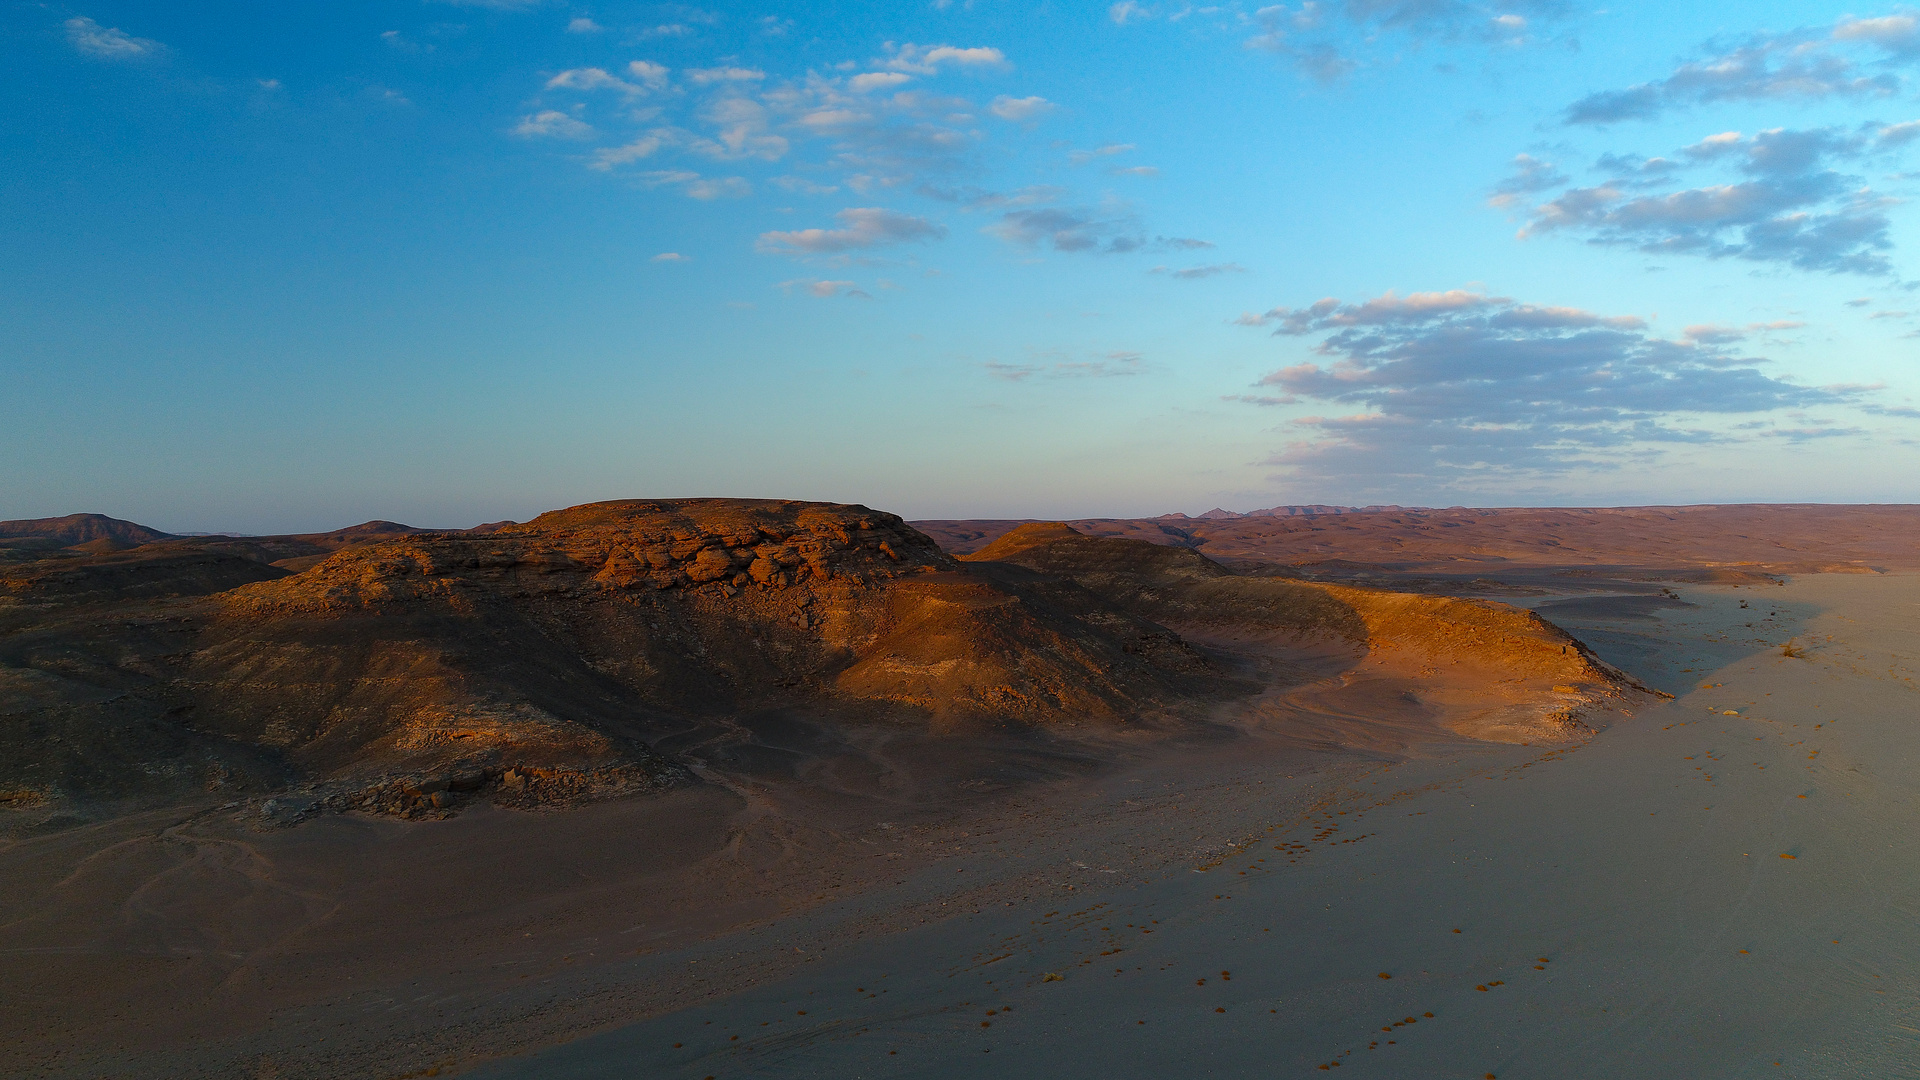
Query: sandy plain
x,y
1724,885
1706,887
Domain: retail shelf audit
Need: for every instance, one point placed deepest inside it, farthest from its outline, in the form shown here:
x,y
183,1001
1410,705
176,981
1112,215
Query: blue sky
x,y
277,267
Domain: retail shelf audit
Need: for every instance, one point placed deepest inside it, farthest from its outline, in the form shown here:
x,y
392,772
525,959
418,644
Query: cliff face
x,y
573,641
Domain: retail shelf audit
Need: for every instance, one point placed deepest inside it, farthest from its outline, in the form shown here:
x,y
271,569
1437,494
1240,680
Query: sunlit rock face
x,y
573,642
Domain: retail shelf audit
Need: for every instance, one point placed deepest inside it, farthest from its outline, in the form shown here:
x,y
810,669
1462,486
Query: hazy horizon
x,y
275,270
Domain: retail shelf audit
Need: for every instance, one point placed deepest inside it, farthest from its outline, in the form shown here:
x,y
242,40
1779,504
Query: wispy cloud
x,y
1192,273
551,124
1081,157
973,198
710,76
1806,64
592,78
1070,230
695,186
608,158
826,290
718,187
877,80
1101,366
927,59
1327,42
860,227
800,185
869,128
1020,109
108,42
1529,175
1110,230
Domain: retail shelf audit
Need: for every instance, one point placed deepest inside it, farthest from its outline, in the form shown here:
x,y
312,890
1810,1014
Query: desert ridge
x,y
543,663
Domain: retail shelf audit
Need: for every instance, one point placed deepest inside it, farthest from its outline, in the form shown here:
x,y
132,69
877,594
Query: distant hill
x,y
1719,539
1316,509
366,530
75,529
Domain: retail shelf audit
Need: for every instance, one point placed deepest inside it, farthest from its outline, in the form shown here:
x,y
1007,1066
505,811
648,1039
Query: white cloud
x,y
583,25
607,157
1081,157
709,76
663,177
1133,170
667,30
695,186
671,256
651,75
591,78
802,186
108,43
551,124
1900,134
1893,32
1018,109
725,187
1530,174
877,80
743,131
1125,10
926,59
860,227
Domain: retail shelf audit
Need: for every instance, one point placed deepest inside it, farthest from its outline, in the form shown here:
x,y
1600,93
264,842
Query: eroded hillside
x,y
553,650
1482,669
605,648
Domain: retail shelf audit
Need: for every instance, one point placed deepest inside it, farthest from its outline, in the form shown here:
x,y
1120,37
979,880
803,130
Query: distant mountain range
x,y
1311,510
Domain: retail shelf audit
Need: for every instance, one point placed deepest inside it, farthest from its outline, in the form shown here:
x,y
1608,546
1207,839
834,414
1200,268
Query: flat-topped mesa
x,y
671,543
633,544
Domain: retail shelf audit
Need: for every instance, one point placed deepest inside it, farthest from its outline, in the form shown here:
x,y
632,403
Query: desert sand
x,y
1324,784
1720,886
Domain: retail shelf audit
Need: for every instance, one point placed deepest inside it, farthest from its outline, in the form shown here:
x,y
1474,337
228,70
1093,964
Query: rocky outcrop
x,y
623,546
566,646
1506,674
